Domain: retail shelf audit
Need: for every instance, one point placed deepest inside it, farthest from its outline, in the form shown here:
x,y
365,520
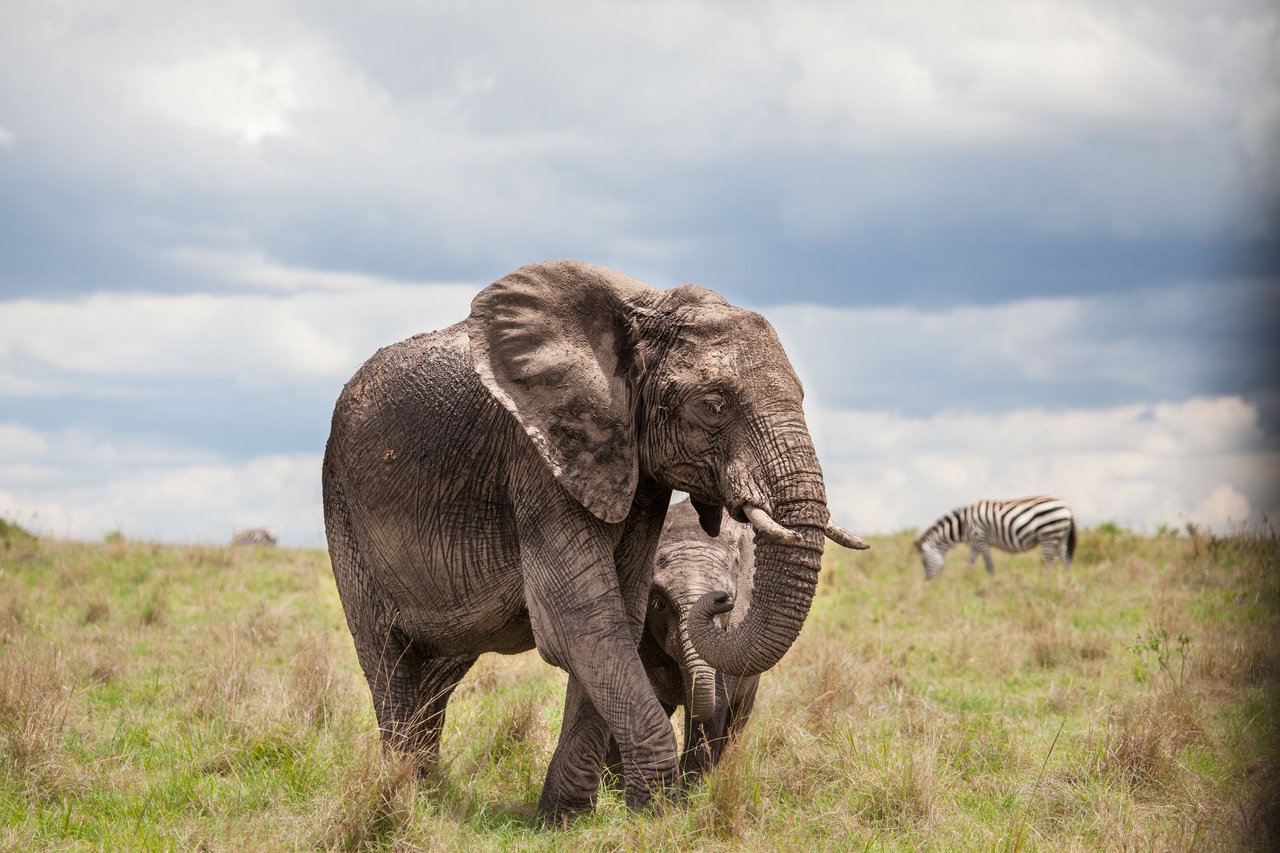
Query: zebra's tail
x,y
1071,540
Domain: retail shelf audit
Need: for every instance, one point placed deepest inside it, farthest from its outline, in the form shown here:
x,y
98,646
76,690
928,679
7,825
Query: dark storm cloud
x,y
830,154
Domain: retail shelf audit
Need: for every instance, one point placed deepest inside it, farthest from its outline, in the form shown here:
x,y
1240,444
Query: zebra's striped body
x,y
1015,525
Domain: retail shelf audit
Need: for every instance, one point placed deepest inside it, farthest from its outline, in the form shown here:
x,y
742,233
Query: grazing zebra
x,y
1016,525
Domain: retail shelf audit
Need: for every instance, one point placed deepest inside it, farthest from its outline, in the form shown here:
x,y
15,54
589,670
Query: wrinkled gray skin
x,y
691,564
501,484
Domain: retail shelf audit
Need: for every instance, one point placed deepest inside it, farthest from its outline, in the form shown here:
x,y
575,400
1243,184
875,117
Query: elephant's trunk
x,y
699,676
702,688
786,575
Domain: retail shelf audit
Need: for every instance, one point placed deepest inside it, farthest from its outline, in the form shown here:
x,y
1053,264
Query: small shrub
x,y
16,541
1156,649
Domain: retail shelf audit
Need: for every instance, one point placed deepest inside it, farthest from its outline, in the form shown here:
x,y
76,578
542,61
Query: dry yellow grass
x,y
185,697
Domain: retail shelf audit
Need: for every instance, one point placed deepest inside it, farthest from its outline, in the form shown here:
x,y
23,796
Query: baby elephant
x,y
690,564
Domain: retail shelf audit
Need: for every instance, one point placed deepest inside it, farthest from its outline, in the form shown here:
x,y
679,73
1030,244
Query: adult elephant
x,y
502,484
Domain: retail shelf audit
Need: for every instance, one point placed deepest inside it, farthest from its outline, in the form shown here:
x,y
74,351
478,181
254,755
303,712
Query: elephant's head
x,y
691,564
613,379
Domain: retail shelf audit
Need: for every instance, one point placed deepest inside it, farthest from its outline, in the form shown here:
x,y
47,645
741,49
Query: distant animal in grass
x,y
1014,525
254,536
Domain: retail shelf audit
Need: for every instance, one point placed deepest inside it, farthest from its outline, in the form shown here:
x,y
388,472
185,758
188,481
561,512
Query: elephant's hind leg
x,y
410,688
410,693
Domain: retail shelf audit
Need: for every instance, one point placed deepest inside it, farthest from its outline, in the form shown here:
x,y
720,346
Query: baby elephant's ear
x,y
552,342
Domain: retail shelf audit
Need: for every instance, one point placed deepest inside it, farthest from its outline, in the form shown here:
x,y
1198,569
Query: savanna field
x,y
171,697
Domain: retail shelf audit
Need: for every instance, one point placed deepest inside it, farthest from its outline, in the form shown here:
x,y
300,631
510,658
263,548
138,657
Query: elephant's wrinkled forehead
x,y
704,565
724,341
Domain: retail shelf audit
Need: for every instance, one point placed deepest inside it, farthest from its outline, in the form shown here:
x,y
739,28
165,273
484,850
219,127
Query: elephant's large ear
x,y
551,342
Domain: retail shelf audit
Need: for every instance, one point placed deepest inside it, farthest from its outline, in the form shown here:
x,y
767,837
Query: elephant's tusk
x,y
840,536
769,528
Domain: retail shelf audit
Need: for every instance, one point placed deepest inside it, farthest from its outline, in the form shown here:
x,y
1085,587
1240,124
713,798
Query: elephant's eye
x,y
657,604
710,409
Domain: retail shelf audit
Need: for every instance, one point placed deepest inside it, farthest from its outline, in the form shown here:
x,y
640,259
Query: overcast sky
x,y
1012,247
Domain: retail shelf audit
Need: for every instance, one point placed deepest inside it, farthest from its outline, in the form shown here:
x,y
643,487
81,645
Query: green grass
x,y
157,697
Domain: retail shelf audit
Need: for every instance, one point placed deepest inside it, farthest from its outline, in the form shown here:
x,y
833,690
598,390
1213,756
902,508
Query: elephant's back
x,y
420,450
404,374
419,400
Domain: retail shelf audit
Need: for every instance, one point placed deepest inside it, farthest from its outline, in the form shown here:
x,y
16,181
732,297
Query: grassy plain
x,y
156,697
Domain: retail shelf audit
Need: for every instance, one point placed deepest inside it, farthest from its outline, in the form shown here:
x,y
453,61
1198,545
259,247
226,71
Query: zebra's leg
x,y
1064,553
973,555
1050,549
986,558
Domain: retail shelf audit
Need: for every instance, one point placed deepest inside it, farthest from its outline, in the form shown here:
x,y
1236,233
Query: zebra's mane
x,y
938,531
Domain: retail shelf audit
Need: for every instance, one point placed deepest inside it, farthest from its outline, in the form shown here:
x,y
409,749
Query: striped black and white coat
x,y
1014,525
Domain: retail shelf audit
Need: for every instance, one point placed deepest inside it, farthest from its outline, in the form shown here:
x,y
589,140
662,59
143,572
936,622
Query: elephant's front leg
x,y
607,692
586,590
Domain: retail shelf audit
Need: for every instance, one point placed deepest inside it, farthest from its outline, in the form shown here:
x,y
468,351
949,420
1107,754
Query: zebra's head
x,y
933,554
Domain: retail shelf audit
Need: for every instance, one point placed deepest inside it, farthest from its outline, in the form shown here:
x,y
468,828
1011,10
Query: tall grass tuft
x,y
317,687
34,705
153,606
733,794
375,801
12,621
895,788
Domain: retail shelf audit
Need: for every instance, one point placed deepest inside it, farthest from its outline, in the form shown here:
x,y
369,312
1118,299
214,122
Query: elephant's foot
x,y
656,794
557,812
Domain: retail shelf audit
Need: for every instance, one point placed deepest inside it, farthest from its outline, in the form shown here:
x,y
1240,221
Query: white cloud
x,y
879,76
1204,460
1223,508
236,92
321,328
292,325
7,137
81,484
1148,343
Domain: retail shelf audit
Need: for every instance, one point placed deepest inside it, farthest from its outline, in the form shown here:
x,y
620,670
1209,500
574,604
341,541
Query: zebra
x,y
1014,525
